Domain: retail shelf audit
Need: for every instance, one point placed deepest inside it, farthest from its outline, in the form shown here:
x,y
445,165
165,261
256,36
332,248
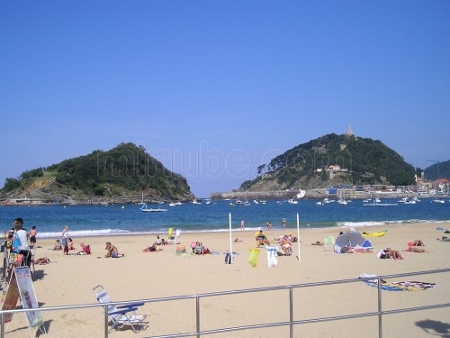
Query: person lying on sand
x,y
318,243
444,239
152,248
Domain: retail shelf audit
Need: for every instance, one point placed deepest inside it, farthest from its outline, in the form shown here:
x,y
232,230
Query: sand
x,y
69,280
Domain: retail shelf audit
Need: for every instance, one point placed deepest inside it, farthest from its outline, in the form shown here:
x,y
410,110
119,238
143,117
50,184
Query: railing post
x,y
380,316
106,321
291,311
2,334
197,315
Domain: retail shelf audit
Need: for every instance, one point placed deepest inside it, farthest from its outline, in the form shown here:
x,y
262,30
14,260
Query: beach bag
x,y
16,243
228,258
253,257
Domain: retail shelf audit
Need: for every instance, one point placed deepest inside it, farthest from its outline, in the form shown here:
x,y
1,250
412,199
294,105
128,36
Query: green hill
x,y
439,170
333,160
124,172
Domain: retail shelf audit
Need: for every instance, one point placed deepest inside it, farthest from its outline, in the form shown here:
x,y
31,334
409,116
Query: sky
x,y
214,89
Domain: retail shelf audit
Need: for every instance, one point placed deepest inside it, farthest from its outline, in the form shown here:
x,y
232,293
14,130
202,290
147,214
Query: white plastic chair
x,y
328,243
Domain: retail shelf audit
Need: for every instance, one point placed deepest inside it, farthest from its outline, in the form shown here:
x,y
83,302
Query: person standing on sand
x,y
64,240
283,223
242,225
32,236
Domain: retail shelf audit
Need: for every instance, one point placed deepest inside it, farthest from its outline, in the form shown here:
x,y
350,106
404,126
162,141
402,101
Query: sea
x,y
218,216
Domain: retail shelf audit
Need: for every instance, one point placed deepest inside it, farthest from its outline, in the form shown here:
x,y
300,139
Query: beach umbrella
x,y
350,238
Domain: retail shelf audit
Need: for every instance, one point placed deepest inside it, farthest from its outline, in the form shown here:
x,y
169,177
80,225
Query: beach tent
x,y
349,238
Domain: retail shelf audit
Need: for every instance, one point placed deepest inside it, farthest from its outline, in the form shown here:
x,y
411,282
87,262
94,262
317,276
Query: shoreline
x,y
345,225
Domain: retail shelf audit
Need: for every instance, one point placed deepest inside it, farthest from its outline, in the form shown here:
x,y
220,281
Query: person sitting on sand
x,y
394,254
151,248
57,246
286,245
85,249
112,251
261,239
237,240
158,240
70,244
200,249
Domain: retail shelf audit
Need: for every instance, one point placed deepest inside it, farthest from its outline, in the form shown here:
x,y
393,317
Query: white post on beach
x,y
298,237
231,235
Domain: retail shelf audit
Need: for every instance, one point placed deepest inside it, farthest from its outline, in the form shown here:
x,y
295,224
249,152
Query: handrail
x,y
291,322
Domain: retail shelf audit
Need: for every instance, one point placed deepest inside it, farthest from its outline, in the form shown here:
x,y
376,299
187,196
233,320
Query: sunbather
x,y
261,239
444,239
394,254
347,249
318,243
112,251
152,248
85,249
416,246
57,246
286,245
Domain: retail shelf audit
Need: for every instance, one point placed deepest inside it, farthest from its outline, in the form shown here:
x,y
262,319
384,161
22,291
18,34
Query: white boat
x,y
292,201
144,208
341,201
196,202
379,204
238,202
320,203
439,201
301,193
406,200
255,201
247,203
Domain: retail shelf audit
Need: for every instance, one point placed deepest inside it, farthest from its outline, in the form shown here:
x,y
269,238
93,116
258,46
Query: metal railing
x,y
289,322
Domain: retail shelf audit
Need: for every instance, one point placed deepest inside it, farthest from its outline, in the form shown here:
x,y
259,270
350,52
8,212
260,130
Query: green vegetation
x,y
438,170
123,170
360,161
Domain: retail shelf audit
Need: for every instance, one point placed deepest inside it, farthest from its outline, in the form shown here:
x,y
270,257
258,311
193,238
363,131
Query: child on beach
x,y
57,246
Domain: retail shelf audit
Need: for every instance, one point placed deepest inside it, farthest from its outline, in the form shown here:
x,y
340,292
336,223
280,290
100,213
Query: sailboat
x,y
144,208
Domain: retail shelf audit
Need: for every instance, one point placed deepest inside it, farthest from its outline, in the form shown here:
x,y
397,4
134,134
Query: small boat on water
x,y
406,200
377,203
292,201
144,208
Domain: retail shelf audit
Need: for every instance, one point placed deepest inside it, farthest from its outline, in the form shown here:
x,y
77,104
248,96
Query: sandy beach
x,y
69,280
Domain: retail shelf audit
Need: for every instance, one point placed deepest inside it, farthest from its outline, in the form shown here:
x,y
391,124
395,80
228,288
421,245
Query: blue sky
x,y
214,89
